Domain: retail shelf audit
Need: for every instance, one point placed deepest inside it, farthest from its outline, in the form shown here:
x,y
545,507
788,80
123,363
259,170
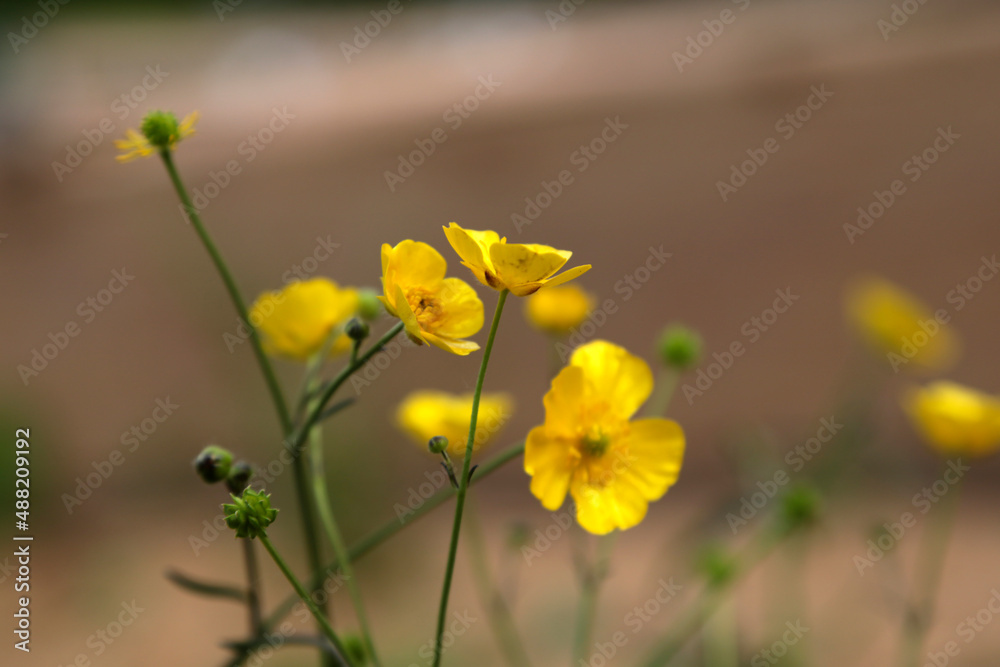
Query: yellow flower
x,y
426,414
297,320
436,310
587,446
954,419
900,326
559,310
165,133
521,268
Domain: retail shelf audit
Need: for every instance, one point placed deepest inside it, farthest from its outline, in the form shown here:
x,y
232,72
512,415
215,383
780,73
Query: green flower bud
x,y
800,507
718,566
356,329
369,307
437,444
250,514
239,477
213,463
680,347
354,646
160,128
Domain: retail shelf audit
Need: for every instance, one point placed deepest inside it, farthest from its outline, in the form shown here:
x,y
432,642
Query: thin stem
x,y
376,538
234,293
253,587
324,624
497,611
934,549
694,617
463,483
593,577
666,386
333,534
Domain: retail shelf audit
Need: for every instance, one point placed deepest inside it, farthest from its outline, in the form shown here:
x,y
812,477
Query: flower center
x,y
595,443
425,306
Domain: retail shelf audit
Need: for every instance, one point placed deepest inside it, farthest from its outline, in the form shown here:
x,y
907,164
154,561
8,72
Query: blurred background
x,y
302,159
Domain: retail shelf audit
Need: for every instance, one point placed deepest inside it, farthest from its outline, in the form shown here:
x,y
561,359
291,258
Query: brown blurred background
x,y
322,176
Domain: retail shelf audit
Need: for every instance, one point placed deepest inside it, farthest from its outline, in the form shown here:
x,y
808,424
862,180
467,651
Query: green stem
x,y
324,624
666,385
333,534
373,540
593,577
463,483
934,549
253,587
234,293
501,621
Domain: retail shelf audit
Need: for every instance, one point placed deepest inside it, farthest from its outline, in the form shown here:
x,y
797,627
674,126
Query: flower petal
x,y
453,345
603,508
563,402
416,263
621,379
461,309
520,264
472,246
655,453
549,462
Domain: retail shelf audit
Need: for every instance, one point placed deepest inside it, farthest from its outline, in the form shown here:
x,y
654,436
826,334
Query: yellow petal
x,y
548,461
453,345
405,313
520,264
655,453
297,320
621,379
563,403
416,263
559,310
954,419
603,508
461,309
471,245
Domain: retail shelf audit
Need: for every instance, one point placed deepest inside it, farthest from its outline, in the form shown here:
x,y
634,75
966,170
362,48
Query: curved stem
x,y
234,293
371,541
463,483
593,577
324,624
333,534
496,608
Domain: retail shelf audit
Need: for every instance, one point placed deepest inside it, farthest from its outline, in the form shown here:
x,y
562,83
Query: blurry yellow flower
x,y
899,325
159,130
587,446
426,414
436,310
559,310
521,268
297,320
954,419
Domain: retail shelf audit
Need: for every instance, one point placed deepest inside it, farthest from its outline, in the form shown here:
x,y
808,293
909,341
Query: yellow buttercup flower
x,y
559,310
521,268
435,309
297,320
426,414
955,419
897,324
613,467
160,129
